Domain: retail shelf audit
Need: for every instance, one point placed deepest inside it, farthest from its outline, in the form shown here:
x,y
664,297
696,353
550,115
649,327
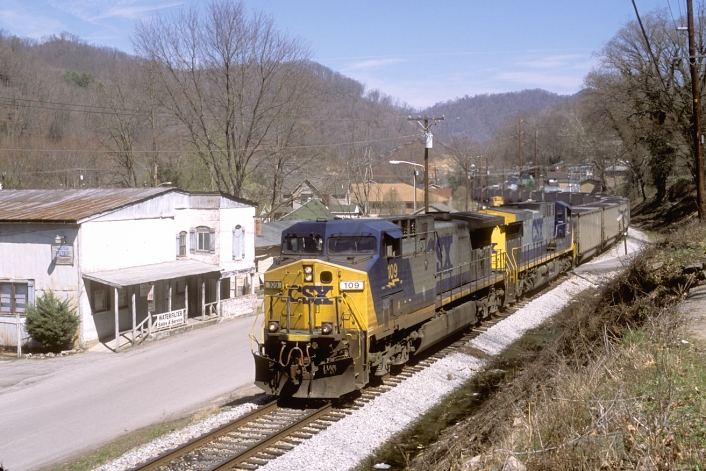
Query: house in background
x,y
394,198
310,211
125,258
591,185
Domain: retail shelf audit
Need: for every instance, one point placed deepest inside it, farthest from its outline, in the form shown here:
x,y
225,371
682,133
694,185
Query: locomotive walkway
x,y
54,409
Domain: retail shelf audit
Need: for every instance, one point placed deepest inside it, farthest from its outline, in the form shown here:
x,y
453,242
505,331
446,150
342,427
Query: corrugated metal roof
x,y
68,205
272,234
150,273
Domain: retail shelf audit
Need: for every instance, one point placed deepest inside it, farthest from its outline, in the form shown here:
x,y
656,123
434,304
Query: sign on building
x,y
62,254
166,320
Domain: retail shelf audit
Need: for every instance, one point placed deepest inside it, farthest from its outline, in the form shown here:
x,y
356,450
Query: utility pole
x,y
519,138
427,145
467,195
480,178
536,164
696,123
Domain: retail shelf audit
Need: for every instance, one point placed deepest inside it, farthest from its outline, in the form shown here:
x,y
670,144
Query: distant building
x,y
124,256
394,198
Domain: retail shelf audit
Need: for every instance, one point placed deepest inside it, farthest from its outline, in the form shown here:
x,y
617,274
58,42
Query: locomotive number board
x,y
352,285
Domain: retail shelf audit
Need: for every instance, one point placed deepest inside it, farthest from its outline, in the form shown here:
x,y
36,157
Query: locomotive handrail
x,y
355,316
556,229
360,345
252,331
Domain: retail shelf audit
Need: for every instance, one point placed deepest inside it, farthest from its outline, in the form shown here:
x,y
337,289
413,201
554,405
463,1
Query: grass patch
x,y
115,449
122,445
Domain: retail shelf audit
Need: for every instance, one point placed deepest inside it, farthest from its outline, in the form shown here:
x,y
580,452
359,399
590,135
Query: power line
x,y
95,109
262,149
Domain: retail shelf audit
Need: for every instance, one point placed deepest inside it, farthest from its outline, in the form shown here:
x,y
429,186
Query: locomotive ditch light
x,y
326,328
273,326
308,273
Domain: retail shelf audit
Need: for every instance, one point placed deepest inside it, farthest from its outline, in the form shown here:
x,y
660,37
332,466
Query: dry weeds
x,y
619,389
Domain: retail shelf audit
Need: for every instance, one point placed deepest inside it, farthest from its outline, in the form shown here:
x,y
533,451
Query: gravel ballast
x,y
348,442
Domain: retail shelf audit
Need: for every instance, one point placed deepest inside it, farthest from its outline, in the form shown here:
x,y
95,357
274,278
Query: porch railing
x,y
158,322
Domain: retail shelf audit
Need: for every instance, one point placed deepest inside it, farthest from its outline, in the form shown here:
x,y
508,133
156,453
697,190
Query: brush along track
x,y
272,430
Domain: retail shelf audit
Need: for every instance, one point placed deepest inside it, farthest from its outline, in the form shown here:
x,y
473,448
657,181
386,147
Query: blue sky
x,y
420,52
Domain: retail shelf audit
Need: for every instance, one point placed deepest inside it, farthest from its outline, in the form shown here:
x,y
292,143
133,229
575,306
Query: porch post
x,y
134,315
186,298
170,295
117,320
218,298
203,299
19,334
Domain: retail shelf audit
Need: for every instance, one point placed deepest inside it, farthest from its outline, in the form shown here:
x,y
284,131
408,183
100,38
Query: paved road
x,y
54,409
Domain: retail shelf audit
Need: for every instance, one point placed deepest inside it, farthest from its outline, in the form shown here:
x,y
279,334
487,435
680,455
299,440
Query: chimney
x,y
258,226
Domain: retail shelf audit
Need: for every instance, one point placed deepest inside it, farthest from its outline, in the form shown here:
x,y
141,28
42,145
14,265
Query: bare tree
x,y
646,102
228,79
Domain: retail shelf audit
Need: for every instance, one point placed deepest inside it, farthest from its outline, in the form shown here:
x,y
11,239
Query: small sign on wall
x,y
62,254
145,289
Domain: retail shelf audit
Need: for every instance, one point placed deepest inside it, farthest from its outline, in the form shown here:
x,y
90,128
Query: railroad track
x,y
248,442
275,428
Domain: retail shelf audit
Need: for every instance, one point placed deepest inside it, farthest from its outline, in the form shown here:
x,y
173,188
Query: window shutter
x,y
177,245
237,237
241,247
212,240
192,240
30,292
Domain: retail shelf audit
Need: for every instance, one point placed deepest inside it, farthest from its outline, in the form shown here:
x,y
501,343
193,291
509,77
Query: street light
x,y
414,176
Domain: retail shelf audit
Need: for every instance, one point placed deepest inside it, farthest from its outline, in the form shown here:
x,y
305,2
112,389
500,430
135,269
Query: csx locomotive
x,y
349,299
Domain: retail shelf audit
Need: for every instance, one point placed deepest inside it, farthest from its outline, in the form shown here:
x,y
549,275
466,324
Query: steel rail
x,y
168,456
273,438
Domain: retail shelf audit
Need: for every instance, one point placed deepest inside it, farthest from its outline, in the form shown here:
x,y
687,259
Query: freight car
x,y
347,300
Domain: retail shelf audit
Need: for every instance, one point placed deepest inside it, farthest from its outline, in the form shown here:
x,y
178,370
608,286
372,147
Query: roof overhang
x,y
123,277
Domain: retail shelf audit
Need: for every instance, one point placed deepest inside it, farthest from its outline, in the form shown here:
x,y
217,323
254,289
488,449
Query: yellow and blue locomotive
x,y
349,299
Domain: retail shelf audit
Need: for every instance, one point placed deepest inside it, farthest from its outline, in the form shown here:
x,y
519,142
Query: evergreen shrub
x,y
52,322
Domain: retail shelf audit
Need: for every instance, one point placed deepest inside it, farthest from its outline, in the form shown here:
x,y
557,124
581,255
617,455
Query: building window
x,y
14,297
100,300
122,297
204,242
204,239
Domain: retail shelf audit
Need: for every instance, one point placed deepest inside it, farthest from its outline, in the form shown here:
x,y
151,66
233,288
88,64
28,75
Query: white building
x,y
125,258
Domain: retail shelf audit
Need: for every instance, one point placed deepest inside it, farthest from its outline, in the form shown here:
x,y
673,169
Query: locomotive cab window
x,y
352,245
302,245
391,247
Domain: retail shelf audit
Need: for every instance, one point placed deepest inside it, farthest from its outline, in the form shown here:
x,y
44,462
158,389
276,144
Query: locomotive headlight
x,y
308,273
326,328
273,326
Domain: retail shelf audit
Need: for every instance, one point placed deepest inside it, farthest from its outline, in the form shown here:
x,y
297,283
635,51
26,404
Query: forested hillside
x,y
482,115
253,116
80,115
